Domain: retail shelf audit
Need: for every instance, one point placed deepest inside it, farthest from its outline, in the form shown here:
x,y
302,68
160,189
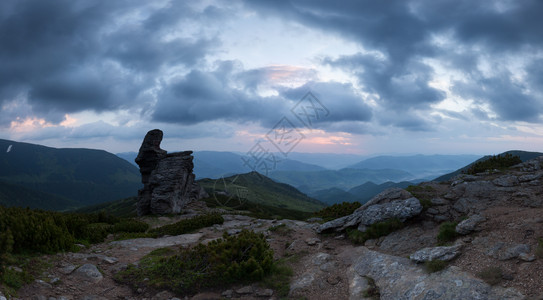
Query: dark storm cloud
x,y
340,99
70,56
507,98
403,34
206,96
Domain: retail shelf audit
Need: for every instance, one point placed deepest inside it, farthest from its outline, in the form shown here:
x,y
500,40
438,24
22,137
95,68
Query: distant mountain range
x,y
421,166
362,193
43,177
309,172
216,164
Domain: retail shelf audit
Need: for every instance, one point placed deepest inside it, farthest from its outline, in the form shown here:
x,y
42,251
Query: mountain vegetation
x,y
259,189
63,178
523,155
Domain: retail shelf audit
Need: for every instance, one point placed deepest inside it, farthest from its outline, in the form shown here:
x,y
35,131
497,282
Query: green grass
x,y
374,231
256,210
337,211
260,189
188,225
491,275
279,277
423,193
539,249
432,266
447,233
245,257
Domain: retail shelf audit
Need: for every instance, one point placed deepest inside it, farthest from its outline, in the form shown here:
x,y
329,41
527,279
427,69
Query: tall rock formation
x,y
168,181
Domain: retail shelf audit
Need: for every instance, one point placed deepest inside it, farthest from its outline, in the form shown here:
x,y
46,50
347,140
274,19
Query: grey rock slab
x,y
88,273
399,278
357,286
386,196
469,225
184,239
506,181
436,253
401,209
264,292
301,284
245,290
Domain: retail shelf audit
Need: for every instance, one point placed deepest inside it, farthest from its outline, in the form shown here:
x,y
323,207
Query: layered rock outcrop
x,y
168,181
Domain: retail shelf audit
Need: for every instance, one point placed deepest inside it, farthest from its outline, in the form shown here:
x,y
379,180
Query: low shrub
x,y
435,265
97,232
244,257
491,275
374,231
130,225
447,233
499,162
337,210
189,225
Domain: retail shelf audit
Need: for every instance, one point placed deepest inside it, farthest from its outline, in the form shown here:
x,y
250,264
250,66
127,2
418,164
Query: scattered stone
x,y
514,251
320,258
43,284
333,280
164,295
328,266
312,241
89,273
436,253
264,292
469,225
233,231
168,182
245,290
526,257
228,293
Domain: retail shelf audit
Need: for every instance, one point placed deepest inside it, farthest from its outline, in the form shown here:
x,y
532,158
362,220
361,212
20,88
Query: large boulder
x,y
399,278
168,181
400,209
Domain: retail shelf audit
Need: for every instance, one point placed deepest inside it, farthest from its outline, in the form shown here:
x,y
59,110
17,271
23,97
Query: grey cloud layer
x,y
68,56
404,33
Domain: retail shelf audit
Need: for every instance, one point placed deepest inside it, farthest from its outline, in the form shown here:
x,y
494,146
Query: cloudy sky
x,y
365,77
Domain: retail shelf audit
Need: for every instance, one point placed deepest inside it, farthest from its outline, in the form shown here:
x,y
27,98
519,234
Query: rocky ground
x,y
503,222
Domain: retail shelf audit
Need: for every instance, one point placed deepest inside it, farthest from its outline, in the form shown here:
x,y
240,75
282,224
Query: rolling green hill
x,y
524,156
258,188
65,177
